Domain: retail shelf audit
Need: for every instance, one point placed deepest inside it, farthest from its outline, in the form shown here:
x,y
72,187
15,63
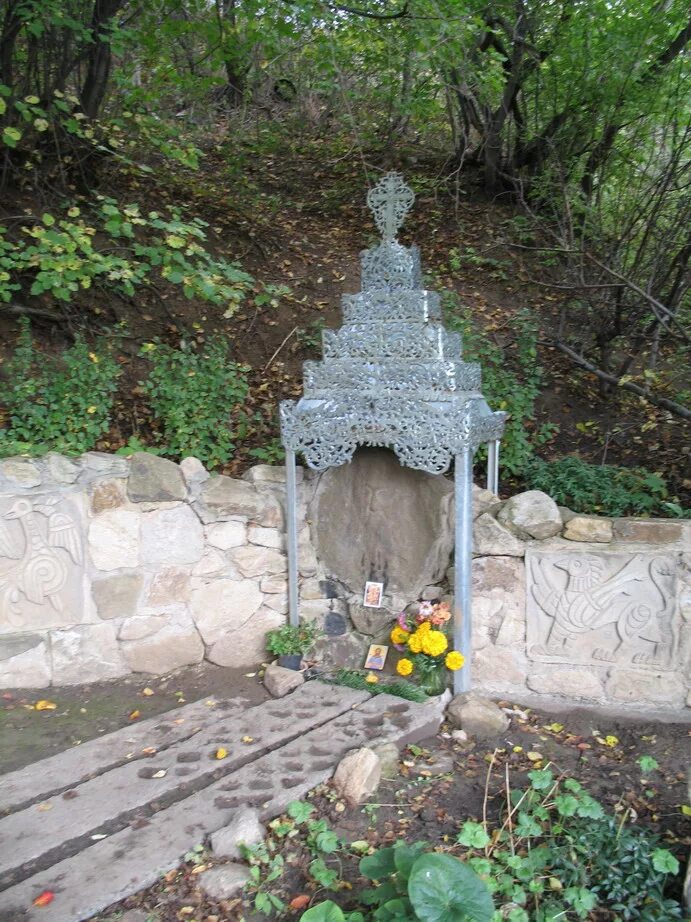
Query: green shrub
x,y
193,393
601,488
59,403
292,640
513,390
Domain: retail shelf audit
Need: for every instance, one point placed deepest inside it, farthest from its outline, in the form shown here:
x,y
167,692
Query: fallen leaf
x,y
248,739
555,728
250,675
44,898
44,807
299,902
44,705
686,810
535,756
135,714
149,750
160,774
221,753
148,692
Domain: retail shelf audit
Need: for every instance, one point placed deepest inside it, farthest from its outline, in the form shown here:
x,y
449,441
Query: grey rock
x,y
107,494
358,775
533,514
86,653
225,605
173,535
193,471
389,758
227,652
225,535
270,473
648,531
60,468
399,523
101,464
280,682
432,593
137,915
24,661
371,621
334,624
224,882
244,829
117,596
222,497
484,501
346,651
254,561
154,479
490,538
20,472
479,717
177,643
266,537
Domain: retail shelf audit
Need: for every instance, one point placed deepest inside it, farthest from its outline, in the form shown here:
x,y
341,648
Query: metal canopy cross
x,y
390,201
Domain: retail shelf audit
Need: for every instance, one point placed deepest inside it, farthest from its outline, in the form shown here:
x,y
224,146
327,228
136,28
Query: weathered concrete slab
x,y
110,869
65,769
37,835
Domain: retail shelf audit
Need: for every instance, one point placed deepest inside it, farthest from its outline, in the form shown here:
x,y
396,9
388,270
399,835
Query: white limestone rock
x,y
226,651
588,528
114,539
266,537
358,775
226,535
478,716
533,514
86,653
24,661
176,643
20,473
223,606
258,561
490,538
244,829
172,536
279,681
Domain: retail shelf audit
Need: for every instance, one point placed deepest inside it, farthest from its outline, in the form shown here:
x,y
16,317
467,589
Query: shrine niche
x,y
602,608
41,562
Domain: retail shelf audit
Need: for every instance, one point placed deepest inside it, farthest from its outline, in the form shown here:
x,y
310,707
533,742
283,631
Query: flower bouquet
x,y
423,639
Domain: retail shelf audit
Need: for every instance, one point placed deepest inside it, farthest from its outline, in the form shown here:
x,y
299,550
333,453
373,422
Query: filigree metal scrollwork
x,y
390,201
391,375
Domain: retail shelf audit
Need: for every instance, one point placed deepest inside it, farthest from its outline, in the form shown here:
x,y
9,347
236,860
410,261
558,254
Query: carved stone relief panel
x,y
41,562
596,608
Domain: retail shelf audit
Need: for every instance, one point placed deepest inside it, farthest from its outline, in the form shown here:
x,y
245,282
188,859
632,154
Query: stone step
x,y
31,838
106,871
66,769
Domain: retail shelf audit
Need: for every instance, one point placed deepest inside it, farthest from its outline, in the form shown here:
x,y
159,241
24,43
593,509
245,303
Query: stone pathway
x,y
105,819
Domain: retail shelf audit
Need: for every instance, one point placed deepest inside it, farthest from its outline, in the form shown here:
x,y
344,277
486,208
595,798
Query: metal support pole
x,y
463,557
292,535
493,466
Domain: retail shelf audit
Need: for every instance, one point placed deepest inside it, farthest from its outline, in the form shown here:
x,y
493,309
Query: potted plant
x,y
290,643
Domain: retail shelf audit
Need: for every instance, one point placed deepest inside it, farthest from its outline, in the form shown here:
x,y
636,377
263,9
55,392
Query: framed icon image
x,y
376,656
373,595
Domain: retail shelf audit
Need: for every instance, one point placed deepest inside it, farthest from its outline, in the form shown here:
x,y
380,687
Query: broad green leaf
x,y
444,889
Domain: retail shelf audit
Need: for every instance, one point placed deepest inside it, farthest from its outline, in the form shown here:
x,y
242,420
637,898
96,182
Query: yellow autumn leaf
x,y
221,753
148,692
535,756
248,739
686,810
555,727
44,705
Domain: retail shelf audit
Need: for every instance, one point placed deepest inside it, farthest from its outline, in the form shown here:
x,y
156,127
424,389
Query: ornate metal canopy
x,y
391,375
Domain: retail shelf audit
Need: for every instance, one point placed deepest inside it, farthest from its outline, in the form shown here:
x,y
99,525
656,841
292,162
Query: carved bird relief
x,y
41,571
637,600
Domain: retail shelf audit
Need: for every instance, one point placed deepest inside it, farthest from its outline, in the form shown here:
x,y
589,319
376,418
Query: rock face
x,y
279,681
479,717
154,479
531,515
398,522
358,775
24,659
244,829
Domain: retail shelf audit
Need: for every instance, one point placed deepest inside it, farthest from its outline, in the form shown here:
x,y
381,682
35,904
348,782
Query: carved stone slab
x,y
596,608
41,562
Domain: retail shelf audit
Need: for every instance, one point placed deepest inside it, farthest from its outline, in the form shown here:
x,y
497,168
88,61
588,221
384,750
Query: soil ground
x,y
441,783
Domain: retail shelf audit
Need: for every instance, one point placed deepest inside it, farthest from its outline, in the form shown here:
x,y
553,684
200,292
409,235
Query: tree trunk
x,y
98,71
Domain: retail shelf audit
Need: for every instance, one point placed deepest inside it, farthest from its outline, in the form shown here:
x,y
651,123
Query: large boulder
x,y
399,524
531,515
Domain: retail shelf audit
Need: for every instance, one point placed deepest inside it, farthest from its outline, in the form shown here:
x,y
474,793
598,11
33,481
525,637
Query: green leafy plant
x,y
292,640
193,393
412,883
62,403
602,488
351,678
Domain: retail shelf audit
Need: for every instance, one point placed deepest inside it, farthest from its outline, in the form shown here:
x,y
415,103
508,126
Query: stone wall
x,y
111,565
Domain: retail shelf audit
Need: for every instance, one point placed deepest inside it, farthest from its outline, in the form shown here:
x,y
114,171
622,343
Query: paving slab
x,y
35,837
66,769
106,871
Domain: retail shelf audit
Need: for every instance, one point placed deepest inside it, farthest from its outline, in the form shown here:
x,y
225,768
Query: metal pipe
x,y
493,466
292,536
463,557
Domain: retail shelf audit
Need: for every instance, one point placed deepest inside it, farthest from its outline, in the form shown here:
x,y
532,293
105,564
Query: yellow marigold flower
x,y
398,635
371,678
404,667
424,626
415,642
434,643
454,660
